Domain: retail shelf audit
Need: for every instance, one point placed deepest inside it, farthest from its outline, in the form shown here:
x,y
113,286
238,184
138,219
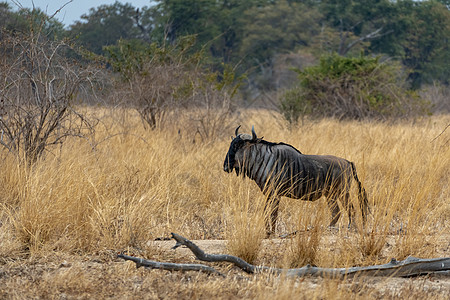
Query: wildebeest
x,y
280,169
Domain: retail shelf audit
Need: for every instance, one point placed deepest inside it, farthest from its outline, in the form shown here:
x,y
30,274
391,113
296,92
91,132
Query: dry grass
x,y
62,220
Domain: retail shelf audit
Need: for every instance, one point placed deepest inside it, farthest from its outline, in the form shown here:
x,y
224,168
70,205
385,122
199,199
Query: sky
x,y
72,11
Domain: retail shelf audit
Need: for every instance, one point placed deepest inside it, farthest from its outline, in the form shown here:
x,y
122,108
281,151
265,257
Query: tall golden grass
x,y
126,186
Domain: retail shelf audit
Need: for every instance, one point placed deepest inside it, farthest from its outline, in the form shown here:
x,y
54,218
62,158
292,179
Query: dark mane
x,y
271,144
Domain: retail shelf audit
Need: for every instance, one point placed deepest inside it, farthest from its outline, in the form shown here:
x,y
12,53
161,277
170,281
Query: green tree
x,y
231,19
26,20
415,31
358,22
183,18
351,88
445,2
216,24
279,27
10,20
105,25
425,41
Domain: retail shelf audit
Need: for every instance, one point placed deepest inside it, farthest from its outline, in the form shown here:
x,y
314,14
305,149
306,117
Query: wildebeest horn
x,y
237,130
253,133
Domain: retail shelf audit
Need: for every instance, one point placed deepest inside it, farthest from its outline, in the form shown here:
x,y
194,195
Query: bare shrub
x,y
211,104
39,87
163,81
439,96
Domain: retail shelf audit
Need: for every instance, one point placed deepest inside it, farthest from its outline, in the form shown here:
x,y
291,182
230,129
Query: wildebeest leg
x,y
335,211
271,209
349,207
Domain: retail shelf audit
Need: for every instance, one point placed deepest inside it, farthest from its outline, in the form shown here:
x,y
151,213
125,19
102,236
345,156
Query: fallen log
x,y
140,262
411,266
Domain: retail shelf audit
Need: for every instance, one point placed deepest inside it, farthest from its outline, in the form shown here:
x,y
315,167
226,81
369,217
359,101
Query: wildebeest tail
x,y
362,195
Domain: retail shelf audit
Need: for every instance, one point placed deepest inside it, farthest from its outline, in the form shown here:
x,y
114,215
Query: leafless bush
x,y
39,87
162,82
439,96
211,106
152,93
168,92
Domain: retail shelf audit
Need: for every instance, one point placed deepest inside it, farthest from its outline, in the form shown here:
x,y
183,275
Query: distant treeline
x,y
251,34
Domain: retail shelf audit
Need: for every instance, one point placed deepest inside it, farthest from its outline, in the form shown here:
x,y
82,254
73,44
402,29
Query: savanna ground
x,y
63,221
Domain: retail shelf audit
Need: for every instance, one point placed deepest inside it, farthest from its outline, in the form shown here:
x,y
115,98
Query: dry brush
x,y
132,188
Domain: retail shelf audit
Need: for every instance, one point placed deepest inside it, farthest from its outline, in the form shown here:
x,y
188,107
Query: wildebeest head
x,y
235,155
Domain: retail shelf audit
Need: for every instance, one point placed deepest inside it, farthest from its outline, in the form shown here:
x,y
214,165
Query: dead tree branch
x,y
140,262
372,35
201,255
411,266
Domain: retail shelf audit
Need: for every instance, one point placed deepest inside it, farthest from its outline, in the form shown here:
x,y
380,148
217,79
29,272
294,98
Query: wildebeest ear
x,y
232,138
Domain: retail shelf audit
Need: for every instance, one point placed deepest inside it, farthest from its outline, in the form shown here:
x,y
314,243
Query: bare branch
x,y
37,89
409,267
201,255
372,35
140,262
59,9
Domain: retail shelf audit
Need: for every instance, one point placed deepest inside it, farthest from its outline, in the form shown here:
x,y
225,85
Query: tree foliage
x,y
251,33
27,21
105,25
425,42
279,27
358,22
350,88
251,36
217,24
